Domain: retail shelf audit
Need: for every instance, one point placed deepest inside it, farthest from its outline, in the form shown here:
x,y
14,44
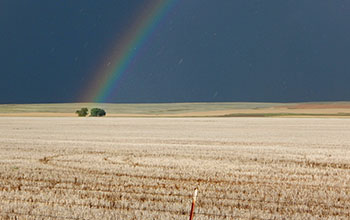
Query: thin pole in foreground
x,y
193,202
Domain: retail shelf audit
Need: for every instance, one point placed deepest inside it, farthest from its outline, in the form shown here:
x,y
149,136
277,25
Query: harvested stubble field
x,y
147,168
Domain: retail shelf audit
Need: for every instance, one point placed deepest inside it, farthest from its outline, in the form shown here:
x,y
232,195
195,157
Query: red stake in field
x,y
193,203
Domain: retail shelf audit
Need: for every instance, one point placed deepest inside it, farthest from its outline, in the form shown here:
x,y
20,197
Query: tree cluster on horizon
x,y
94,112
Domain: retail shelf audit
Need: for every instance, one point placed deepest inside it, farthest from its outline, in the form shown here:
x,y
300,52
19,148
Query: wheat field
x,y
147,168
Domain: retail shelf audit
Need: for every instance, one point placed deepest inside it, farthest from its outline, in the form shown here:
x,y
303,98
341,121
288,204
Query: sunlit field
x,y
199,109
147,168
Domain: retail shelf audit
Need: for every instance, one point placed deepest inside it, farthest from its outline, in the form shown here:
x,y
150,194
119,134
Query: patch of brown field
x,y
317,106
327,112
265,111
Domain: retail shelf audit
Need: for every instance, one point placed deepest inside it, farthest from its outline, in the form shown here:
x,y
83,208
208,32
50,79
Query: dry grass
x,y
110,168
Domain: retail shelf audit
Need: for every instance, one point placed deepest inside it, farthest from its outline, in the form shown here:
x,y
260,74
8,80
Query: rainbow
x,y
123,52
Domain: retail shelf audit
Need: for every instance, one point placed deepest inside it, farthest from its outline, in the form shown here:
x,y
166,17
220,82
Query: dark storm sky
x,y
203,50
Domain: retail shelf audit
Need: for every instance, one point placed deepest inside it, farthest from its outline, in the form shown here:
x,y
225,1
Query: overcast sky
x,y
203,50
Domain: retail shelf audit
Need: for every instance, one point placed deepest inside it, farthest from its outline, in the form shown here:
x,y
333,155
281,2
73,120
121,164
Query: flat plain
x,y
147,168
211,109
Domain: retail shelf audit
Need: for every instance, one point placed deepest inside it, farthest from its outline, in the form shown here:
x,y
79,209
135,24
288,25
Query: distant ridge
x,y
221,109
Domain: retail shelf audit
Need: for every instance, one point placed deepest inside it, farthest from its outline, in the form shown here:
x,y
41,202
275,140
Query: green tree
x,y
82,112
97,112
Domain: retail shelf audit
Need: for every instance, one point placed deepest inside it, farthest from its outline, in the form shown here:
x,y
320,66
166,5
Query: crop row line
x,y
113,205
39,215
289,203
197,180
128,208
77,218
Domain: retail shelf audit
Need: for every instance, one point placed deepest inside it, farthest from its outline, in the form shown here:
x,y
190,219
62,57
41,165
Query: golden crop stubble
x,y
147,168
